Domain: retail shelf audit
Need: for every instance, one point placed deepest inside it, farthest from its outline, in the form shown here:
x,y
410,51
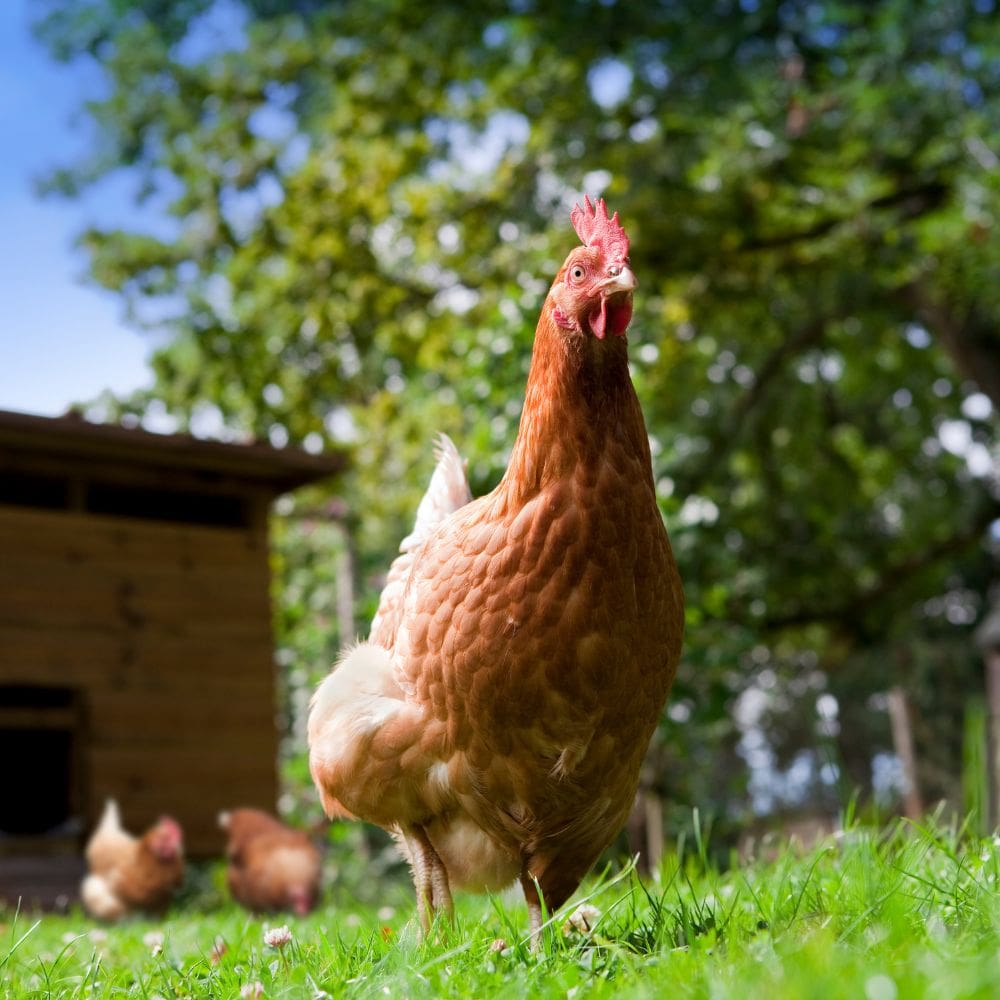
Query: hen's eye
x,y
577,273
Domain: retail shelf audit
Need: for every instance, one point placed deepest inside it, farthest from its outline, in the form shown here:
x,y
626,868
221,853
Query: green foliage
x,y
364,203
914,912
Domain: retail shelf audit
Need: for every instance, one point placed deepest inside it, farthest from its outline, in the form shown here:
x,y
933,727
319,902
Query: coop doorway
x,y
40,738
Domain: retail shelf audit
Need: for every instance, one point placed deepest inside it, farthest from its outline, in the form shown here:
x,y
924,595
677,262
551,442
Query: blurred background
x,y
331,225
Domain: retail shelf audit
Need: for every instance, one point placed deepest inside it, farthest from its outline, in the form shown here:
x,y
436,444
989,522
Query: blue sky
x,y
61,340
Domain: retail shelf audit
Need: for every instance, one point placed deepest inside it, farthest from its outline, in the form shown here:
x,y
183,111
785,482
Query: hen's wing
x,y
447,492
243,826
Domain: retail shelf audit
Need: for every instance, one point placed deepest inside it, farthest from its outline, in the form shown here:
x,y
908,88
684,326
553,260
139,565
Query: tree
x,y
365,202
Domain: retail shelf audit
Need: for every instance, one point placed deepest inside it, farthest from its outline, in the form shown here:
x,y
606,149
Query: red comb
x,y
595,229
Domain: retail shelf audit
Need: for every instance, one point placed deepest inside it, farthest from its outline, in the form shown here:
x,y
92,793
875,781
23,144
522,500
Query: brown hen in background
x,y
496,718
131,874
271,867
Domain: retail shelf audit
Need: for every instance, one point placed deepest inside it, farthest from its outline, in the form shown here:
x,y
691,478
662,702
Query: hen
x,y
497,716
130,874
271,866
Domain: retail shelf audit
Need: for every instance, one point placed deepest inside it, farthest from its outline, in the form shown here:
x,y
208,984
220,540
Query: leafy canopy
x,y
356,209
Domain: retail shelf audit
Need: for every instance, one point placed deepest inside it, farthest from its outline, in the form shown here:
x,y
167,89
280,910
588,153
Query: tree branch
x,y
916,200
972,341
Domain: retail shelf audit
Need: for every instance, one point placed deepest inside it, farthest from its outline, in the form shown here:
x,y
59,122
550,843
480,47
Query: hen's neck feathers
x,y
579,405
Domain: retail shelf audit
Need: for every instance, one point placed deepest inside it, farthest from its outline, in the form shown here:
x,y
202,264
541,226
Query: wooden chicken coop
x,y
136,650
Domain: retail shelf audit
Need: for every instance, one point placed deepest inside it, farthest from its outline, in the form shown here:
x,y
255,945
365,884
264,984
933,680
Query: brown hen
x,y
131,874
496,718
271,866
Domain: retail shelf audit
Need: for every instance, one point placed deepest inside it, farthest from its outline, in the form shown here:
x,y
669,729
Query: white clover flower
x,y
277,937
252,990
881,987
153,940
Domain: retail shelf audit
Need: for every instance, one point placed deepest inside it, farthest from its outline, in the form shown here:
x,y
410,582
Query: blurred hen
x,y
131,874
271,866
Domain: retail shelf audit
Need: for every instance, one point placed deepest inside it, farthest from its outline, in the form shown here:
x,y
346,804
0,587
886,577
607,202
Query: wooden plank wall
x,y
166,629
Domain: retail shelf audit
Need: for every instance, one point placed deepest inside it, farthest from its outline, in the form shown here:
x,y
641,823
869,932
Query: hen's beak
x,y
614,308
623,281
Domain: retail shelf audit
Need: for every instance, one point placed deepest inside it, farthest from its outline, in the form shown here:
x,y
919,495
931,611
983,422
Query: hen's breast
x,y
544,637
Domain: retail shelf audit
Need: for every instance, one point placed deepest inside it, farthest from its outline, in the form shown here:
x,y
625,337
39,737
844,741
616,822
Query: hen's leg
x,y
441,886
430,877
421,877
531,897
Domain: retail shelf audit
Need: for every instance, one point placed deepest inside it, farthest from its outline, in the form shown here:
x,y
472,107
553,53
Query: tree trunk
x,y
645,832
902,741
968,336
654,831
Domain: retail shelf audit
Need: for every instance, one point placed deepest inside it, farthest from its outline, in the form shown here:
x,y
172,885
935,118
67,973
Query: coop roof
x,y
27,441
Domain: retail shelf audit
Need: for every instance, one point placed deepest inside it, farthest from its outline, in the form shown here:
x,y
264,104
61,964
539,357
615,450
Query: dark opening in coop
x,y
39,740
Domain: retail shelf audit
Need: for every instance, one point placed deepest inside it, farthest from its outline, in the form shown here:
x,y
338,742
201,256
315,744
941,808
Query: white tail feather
x,y
447,491
111,820
109,841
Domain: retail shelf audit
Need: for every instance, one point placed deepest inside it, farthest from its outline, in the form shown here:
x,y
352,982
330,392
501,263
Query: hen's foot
x,y
430,879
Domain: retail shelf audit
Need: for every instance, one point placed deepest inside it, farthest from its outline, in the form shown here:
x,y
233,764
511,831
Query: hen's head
x,y
165,839
592,293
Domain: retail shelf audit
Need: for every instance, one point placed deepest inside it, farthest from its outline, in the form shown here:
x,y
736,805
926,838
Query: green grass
x,y
910,912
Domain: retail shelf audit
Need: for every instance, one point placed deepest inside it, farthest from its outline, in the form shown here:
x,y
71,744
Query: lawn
x,y
909,912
